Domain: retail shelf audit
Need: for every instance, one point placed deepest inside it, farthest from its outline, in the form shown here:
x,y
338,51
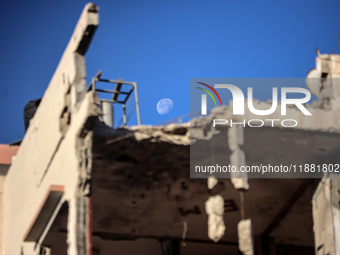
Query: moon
x,y
164,106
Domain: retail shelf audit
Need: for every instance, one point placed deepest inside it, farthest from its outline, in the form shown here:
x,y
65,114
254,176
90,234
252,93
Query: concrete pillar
x,y
78,228
326,216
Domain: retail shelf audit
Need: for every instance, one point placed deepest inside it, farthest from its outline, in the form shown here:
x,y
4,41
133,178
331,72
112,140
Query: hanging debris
x,y
237,158
245,237
214,207
212,181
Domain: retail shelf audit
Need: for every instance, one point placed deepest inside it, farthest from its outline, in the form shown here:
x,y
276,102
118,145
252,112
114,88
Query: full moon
x,y
164,106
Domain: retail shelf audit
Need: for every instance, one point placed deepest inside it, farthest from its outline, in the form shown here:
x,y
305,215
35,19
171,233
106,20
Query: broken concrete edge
x,y
175,133
202,128
76,47
69,77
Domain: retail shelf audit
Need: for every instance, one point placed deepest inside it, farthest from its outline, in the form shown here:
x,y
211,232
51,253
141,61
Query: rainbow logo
x,y
209,93
204,97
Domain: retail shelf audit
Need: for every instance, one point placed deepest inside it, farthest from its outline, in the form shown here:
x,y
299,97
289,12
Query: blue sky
x,y
160,45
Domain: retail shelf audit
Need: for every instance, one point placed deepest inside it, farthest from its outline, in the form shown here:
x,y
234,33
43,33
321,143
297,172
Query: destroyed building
x,y
77,186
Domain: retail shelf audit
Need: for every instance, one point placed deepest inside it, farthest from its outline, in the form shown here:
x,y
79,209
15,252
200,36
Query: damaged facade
x,y
76,186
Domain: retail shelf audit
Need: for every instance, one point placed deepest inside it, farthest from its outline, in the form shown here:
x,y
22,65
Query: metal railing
x,y
116,92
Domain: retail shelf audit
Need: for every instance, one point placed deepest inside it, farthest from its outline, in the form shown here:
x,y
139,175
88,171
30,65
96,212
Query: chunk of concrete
x,y
214,207
239,179
212,181
245,237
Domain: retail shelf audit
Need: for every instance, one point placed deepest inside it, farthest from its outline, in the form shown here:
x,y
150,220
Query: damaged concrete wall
x,y
52,152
